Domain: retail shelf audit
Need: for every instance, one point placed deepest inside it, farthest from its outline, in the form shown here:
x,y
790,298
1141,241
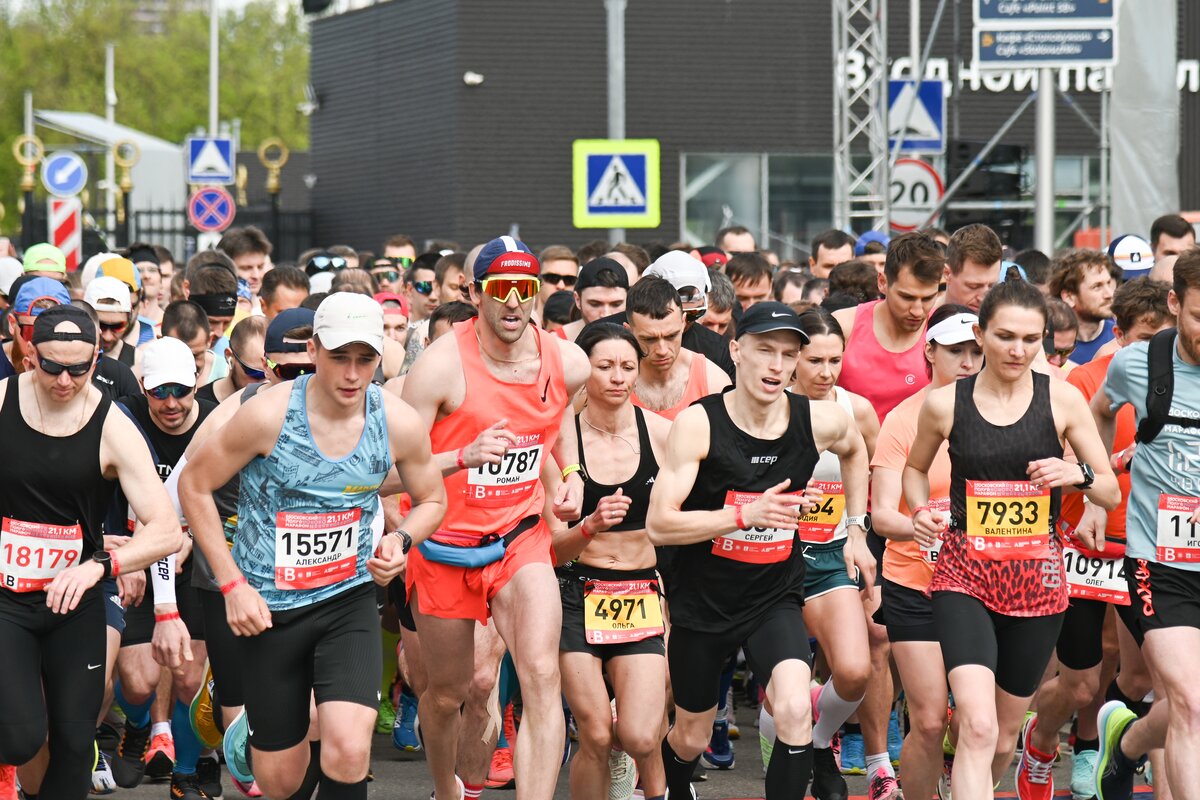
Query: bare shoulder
x,y
400,415
436,370
718,379
689,434
576,366
658,427
845,318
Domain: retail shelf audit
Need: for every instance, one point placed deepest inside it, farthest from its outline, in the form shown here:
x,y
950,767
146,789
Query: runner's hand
x,y
771,510
610,511
66,590
1053,473
247,612
131,588
389,561
1195,517
171,643
489,446
568,498
1120,460
1091,528
812,497
927,526
859,561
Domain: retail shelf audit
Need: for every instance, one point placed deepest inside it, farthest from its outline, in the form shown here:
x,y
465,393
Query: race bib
x,y
315,550
511,479
755,545
615,612
820,525
1095,577
1008,520
930,554
1178,540
32,553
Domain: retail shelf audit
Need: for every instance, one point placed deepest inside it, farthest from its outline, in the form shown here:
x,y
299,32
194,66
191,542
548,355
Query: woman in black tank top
x,y
612,617
998,589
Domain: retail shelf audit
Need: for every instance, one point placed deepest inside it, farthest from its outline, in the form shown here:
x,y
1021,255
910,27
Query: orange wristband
x,y
737,518
166,617
233,584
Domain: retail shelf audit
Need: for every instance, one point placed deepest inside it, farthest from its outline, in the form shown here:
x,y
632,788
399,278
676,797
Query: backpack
x,y
1160,388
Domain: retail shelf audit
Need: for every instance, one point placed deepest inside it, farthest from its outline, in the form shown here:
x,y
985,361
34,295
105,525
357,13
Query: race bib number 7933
x,y
1008,520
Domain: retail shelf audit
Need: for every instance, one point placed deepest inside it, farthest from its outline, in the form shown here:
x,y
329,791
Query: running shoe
x,y
883,786
1083,775
107,737
854,755
186,787
622,775
202,712
734,731
691,794
208,770
237,749
895,738
827,780
160,758
102,777
247,789
385,722
719,754
1114,773
1024,724
129,763
1035,769
404,725
943,787
500,773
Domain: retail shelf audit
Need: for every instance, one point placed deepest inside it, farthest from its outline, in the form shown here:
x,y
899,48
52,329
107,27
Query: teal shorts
x,y
825,569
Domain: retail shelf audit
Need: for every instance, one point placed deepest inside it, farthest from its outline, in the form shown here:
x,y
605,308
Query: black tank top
x,y
637,488
167,448
54,479
981,451
715,593
127,356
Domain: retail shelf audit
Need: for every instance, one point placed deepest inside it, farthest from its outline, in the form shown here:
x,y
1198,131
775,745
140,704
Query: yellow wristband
x,y
567,470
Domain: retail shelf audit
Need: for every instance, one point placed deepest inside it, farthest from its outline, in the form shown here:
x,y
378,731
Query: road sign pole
x,y
1043,220
110,116
213,67
616,83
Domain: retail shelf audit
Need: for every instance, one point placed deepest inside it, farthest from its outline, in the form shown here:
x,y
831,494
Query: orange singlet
x,y
494,498
697,387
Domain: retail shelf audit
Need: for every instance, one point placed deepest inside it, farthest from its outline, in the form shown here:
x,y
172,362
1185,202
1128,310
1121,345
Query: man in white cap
x,y
114,308
313,455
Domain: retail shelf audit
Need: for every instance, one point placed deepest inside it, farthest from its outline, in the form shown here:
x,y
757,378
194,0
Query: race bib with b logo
x,y
315,550
1178,541
1008,520
615,612
930,554
820,525
755,545
33,553
511,479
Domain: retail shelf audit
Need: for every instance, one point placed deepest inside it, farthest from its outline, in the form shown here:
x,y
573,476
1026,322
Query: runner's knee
x,y
20,742
793,716
345,761
977,731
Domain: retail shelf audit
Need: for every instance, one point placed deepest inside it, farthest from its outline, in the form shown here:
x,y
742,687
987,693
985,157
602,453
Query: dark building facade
x,y
738,92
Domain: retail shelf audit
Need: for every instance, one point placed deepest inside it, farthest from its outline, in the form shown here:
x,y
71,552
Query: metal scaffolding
x,y
860,139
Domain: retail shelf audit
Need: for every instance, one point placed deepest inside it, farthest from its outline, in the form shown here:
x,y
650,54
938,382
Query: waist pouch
x,y
488,550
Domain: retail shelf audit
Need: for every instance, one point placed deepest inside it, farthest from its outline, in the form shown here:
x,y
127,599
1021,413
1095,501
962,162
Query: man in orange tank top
x,y
671,378
495,395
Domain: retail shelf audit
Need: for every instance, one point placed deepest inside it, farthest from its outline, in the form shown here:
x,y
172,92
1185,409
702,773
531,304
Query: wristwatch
x,y
863,521
104,559
1089,476
405,541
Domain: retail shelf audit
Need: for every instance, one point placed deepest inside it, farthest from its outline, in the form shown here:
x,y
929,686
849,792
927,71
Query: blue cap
x,y
1133,255
1005,266
505,255
285,321
860,246
37,288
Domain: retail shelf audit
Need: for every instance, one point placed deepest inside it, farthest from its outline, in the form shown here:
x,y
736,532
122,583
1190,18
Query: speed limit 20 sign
x,y
916,190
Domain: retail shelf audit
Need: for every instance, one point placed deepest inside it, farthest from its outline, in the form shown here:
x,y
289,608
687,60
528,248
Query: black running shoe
x,y
186,787
827,780
208,771
129,762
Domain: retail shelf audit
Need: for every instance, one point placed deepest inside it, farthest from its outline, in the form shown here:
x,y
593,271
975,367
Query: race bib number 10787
x,y
509,480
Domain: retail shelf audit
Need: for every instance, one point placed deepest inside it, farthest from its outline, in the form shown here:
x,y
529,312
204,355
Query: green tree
x,y
56,49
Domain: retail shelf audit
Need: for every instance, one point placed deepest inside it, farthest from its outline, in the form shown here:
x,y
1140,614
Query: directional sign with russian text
x,y
1045,12
616,183
1003,48
64,174
211,209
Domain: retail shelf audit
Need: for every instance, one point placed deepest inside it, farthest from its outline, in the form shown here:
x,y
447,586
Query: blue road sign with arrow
x,y
64,174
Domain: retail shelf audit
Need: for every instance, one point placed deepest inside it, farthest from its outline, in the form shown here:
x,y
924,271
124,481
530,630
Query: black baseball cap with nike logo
x,y
770,316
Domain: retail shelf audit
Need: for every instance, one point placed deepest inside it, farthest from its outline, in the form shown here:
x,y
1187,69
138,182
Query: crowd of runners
x,y
926,502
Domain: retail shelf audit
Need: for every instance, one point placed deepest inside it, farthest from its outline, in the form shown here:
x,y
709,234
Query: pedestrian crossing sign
x,y
616,183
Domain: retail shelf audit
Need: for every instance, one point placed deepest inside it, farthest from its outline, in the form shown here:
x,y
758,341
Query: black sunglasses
x,y
554,278
289,372
176,390
385,274
423,287
74,370
115,327
251,373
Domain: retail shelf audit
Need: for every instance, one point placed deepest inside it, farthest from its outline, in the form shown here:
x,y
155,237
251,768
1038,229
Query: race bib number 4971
x,y
32,553
1008,520
509,480
315,550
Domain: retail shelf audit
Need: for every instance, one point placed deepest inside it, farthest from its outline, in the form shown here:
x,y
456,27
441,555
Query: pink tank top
x,y
883,377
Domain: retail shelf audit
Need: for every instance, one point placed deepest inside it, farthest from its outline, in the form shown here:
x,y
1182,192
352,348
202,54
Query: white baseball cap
x,y
167,360
954,329
347,317
681,269
10,270
108,294
321,282
92,266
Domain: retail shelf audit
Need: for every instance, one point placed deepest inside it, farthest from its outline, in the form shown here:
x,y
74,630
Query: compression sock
x,y
187,746
831,711
336,790
880,761
312,775
137,715
789,770
679,771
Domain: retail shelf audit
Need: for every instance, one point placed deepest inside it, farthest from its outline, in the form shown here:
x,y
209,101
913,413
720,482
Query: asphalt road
x,y
403,776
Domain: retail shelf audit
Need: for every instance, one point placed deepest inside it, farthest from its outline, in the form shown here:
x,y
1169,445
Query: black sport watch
x,y
1089,476
405,540
104,559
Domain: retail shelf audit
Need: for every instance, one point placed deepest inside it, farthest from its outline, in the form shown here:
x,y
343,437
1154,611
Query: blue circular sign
x,y
211,209
64,174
